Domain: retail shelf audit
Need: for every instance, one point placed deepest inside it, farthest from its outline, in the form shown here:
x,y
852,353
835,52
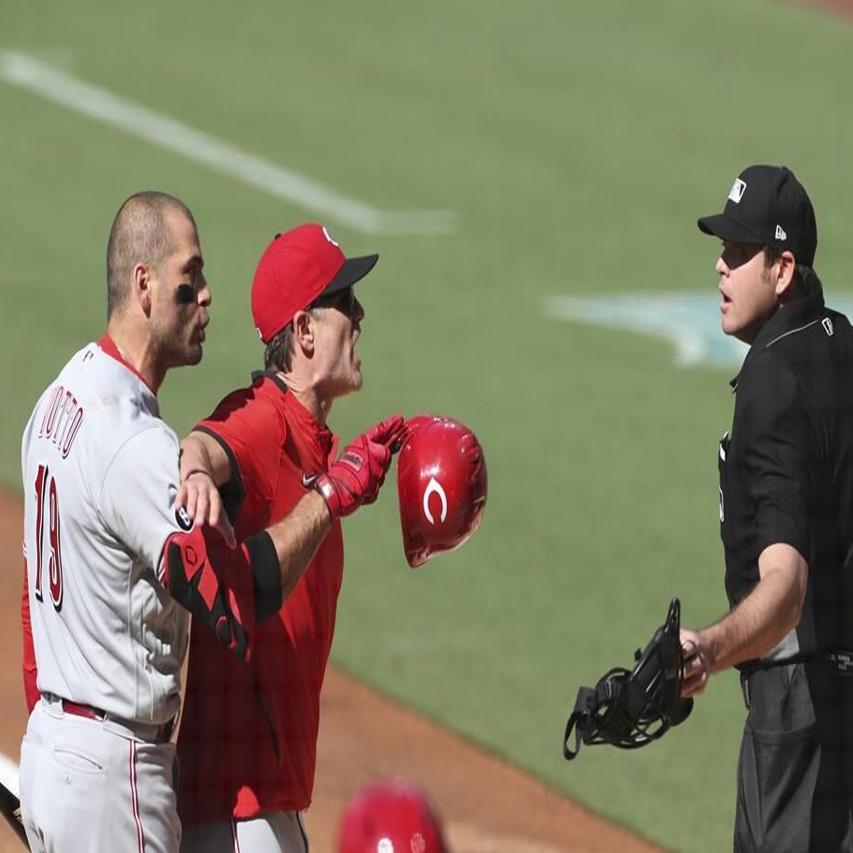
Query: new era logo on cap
x,y
737,190
780,233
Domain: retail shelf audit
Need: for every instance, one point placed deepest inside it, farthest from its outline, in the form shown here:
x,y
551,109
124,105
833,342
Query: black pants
x,y
795,771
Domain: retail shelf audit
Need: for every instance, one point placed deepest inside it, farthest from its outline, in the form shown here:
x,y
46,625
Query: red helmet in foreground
x,y
441,484
390,817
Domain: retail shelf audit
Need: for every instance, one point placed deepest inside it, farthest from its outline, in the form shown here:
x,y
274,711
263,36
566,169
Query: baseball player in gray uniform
x,y
114,568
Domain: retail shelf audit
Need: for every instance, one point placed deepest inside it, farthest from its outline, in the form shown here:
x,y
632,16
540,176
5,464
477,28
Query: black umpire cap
x,y
767,205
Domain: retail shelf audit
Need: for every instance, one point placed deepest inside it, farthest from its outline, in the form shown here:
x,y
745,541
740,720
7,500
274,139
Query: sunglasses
x,y
344,301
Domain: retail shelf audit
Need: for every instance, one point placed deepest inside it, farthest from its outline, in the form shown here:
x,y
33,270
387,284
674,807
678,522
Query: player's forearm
x,y
297,537
196,455
233,588
765,616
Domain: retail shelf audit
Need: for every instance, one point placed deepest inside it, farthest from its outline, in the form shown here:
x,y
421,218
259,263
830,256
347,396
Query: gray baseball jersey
x,y
100,474
100,470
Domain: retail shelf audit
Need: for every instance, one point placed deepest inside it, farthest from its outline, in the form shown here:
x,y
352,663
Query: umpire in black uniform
x,y
786,520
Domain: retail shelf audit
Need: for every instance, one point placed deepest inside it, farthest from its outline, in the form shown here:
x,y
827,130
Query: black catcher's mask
x,y
630,709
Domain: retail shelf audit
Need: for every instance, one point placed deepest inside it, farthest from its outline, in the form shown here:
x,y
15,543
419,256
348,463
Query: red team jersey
x,y
249,732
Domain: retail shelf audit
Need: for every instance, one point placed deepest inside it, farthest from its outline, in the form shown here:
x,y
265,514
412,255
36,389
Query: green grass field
x,y
576,143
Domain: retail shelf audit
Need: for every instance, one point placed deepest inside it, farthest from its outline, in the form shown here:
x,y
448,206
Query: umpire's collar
x,y
787,318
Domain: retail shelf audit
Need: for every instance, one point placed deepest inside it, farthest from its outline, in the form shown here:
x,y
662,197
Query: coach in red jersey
x,y
247,745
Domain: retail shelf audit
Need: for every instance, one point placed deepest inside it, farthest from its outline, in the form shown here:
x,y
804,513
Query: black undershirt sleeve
x,y
267,572
232,491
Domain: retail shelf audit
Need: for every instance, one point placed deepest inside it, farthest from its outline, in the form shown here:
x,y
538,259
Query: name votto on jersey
x,y
62,418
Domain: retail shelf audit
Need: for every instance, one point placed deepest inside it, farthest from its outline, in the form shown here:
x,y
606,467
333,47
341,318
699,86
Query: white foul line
x,y
31,74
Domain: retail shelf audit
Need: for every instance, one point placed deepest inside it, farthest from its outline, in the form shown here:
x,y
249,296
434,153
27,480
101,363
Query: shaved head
x,y
140,234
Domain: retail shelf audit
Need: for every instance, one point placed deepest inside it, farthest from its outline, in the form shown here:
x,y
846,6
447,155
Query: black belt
x,y
841,662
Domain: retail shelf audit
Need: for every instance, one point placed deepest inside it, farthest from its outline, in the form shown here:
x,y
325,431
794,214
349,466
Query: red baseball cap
x,y
296,268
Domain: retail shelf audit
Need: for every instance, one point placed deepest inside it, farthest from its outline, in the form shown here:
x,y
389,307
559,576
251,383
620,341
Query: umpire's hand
x,y
696,663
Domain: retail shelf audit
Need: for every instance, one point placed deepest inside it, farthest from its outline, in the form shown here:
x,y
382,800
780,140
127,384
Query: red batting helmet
x,y
390,817
441,484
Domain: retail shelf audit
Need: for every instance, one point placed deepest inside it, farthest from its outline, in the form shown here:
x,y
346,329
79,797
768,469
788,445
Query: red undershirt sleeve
x,y
31,692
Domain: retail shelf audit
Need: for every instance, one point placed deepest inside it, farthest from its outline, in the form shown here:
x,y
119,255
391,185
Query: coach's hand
x,y
358,474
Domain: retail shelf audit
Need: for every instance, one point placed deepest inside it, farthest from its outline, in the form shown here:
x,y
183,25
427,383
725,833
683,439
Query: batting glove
x,y
358,474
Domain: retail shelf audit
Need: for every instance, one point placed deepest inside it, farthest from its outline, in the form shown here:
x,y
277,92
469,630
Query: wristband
x,y
323,485
196,471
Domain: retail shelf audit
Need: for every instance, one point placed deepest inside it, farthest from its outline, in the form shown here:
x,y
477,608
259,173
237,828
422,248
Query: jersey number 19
x,y
46,494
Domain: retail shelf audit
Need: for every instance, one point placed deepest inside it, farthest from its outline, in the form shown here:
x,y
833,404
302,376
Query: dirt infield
x,y
488,806
838,7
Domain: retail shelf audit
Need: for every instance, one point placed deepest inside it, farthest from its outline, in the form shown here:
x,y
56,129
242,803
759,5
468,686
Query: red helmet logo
x,y
441,484
390,817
